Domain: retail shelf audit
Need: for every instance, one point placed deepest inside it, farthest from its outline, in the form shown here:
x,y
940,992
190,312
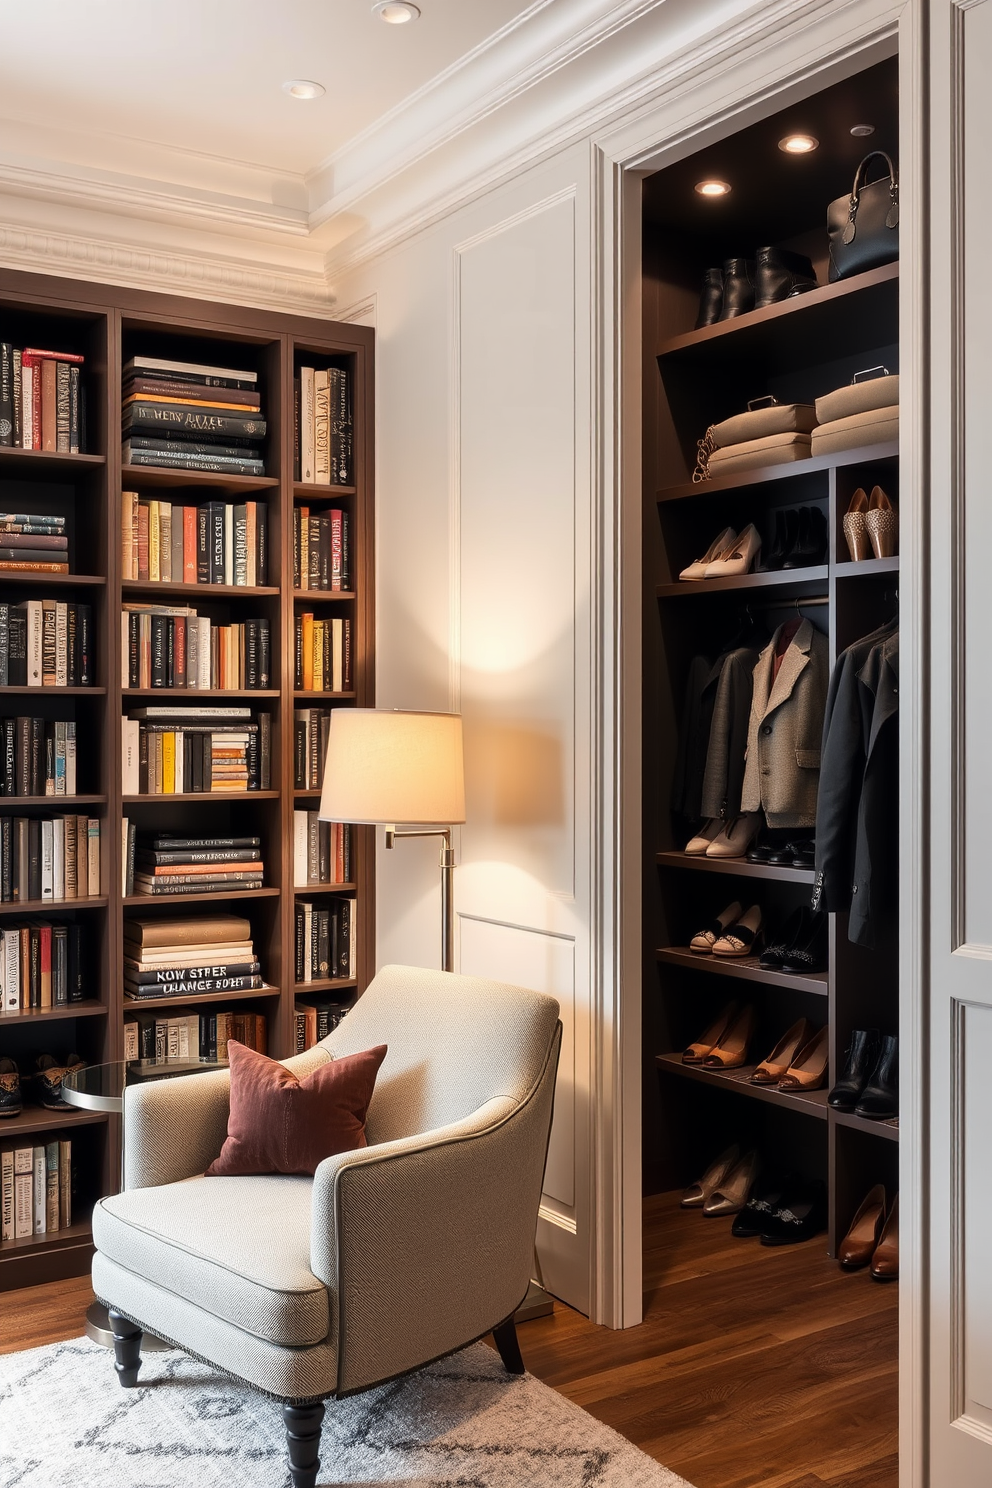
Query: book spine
x,y
6,394
63,411
322,428
75,410
307,425
48,405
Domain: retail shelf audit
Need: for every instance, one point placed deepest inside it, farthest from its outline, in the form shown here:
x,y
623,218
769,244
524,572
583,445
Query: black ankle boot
x,y
810,546
710,299
880,1097
780,273
859,1061
738,287
786,533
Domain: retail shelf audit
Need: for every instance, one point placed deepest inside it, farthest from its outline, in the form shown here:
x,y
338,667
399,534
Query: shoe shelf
x,y
809,1102
745,968
89,1008
865,567
798,581
888,1128
736,867
40,1119
198,999
795,470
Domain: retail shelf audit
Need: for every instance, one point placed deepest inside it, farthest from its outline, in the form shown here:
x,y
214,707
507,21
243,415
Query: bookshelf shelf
x,y
33,1244
327,696
88,1009
40,1119
321,493
199,591
137,477
56,692
324,888
200,797
342,984
198,999
49,906
50,801
47,462
324,594
145,901
191,694
28,576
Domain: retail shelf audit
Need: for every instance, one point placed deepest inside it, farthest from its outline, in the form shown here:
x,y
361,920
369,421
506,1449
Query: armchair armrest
x,y
174,1128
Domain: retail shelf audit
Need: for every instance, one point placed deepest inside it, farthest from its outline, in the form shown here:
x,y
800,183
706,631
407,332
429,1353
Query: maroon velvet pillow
x,y
282,1124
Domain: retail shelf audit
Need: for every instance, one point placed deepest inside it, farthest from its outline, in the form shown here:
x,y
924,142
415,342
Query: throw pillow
x,y
279,1123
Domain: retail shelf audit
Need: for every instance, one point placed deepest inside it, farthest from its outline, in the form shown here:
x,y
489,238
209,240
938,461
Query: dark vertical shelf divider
x,y
108,324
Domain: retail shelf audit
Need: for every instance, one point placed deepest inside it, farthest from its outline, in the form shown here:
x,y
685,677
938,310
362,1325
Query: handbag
x,y
863,228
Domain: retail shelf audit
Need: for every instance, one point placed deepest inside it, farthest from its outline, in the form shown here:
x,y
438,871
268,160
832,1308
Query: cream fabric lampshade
x,y
394,767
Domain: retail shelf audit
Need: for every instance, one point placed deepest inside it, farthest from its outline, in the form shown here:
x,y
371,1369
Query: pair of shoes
x,y
744,284
46,1081
800,853
724,1045
783,1210
873,1237
801,539
11,1102
732,933
871,525
869,1082
718,839
801,947
798,1061
727,556
724,1187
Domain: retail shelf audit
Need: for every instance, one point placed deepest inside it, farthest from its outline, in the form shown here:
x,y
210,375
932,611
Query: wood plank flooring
x,y
753,1368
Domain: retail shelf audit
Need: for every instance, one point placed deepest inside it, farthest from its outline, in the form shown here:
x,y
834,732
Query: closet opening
x,y
770,750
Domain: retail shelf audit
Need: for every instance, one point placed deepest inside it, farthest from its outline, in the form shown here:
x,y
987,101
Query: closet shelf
x,y
810,1103
738,867
88,1009
866,567
138,476
888,1129
746,968
796,581
866,454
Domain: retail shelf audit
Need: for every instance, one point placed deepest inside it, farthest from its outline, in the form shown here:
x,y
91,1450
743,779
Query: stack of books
x,y
321,851
321,550
41,399
46,643
55,858
314,1021
41,965
322,653
217,542
167,865
168,751
151,1040
33,543
186,416
311,730
37,757
173,646
35,1190
323,426
183,958
326,940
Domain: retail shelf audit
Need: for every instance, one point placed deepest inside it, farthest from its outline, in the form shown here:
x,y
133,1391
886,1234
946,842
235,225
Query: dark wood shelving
x,y
132,901
301,693
90,1008
40,1119
191,694
810,1103
56,801
136,476
797,581
202,796
321,493
47,462
46,906
207,591
744,968
73,580
324,594
326,984
737,867
867,454
325,888
28,1245
55,692
135,1004
888,1129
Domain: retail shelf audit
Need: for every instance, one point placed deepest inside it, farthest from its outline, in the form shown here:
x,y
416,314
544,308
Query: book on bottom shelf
x,y
42,965
153,1039
35,1190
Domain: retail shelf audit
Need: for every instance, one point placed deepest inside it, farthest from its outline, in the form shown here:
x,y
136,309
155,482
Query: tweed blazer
x,y
782,771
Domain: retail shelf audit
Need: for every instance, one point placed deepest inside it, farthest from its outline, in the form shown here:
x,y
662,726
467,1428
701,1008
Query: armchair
x,y
391,1256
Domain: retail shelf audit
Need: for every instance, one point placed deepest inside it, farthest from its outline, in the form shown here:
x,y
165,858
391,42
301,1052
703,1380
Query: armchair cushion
x,y
238,1248
283,1123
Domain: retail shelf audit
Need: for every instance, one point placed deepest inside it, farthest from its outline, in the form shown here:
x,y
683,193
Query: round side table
x,y
100,1087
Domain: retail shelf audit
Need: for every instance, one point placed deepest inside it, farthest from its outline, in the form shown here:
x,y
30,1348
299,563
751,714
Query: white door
x,y
960,1219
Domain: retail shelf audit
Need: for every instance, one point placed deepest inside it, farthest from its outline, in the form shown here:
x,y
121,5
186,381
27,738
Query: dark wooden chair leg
x,y
303,1423
505,1338
127,1348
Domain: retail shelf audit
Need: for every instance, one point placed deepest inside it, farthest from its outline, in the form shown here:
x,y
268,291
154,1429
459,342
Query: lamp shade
x,y
393,767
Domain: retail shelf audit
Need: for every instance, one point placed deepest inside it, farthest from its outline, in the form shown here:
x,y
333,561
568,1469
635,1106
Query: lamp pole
x,y
447,885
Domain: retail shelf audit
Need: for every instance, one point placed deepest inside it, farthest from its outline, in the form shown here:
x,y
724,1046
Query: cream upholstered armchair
x,y
390,1256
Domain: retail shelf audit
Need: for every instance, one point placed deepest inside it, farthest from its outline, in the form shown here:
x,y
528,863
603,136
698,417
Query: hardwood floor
x,y
753,1368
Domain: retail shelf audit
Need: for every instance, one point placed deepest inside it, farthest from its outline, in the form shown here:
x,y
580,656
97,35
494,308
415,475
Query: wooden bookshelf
x,y
107,325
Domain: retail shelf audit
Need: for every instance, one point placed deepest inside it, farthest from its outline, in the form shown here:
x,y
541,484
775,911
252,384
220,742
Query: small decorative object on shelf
x,y
173,646
175,751
186,416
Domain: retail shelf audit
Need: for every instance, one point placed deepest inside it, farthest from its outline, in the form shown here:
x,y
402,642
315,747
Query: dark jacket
x,y
694,733
723,780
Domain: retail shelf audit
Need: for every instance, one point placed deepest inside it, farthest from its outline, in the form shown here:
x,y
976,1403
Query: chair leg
x,y
127,1348
303,1423
505,1338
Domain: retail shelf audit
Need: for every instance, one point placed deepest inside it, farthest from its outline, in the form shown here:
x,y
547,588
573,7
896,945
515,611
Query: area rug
x,y
65,1422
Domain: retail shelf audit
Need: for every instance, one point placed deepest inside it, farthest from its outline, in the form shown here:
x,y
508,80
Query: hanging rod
x,y
787,604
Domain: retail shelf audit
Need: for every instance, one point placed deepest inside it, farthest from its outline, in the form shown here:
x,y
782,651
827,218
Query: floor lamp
x,y
386,767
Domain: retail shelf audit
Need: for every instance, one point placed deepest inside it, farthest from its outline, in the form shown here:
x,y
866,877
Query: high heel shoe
x,y
859,1244
697,1051
730,1050
740,935
736,836
882,522
809,1068
808,952
696,846
705,939
885,1261
856,527
740,557
730,1195
779,1061
695,1196
723,544
879,1100
795,930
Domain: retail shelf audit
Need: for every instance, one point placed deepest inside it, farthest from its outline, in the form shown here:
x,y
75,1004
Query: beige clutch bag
x,y
874,426
758,423
858,397
774,449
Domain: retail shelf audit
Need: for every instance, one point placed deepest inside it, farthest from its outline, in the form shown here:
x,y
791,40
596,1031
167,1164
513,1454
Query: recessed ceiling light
x,y
798,144
861,131
299,88
396,12
713,188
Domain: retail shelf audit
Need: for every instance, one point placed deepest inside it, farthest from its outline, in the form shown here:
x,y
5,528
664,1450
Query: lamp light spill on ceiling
x,y
798,144
301,89
396,12
713,188
862,131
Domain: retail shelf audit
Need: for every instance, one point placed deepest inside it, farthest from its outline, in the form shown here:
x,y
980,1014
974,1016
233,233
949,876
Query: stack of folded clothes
x,y
861,413
774,435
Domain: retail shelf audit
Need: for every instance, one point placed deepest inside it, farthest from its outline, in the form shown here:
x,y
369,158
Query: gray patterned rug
x,y
65,1422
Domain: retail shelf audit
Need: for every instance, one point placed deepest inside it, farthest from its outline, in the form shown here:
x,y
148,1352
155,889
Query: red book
x,y
179,650
33,358
45,949
189,544
335,549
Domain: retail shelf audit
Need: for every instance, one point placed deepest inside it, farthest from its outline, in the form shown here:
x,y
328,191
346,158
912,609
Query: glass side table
x,y
100,1087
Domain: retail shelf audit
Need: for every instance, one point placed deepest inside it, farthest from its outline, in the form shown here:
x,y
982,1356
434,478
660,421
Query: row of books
x,y
321,549
37,757
152,1040
54,858
32,543
311,731
41,965
174,751
190,416
217,542
321,851
45,643
180,957
35,1190
326,939
322,415
164,646
314,1021
322,653
165,865
41,399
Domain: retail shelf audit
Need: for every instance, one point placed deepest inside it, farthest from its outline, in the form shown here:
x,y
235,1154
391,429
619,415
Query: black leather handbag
x,y
863,228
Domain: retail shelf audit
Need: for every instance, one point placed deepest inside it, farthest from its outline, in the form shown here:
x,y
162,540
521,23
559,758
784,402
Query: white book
x,y
7,1194
192,655
70,758
203,653
58,858
228,543
306,425
130,1041
93,855
130,743
23,1199
12,970
61,645
47,861
27,407
322,428
40,1191
139,364
182,1039
173,1032
180,760
337,655
299,849
308,942
33,611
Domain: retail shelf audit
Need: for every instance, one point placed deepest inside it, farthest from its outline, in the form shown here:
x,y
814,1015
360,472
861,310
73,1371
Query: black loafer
x,y
783,857
805,854
766,1196
801,1214
793,931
